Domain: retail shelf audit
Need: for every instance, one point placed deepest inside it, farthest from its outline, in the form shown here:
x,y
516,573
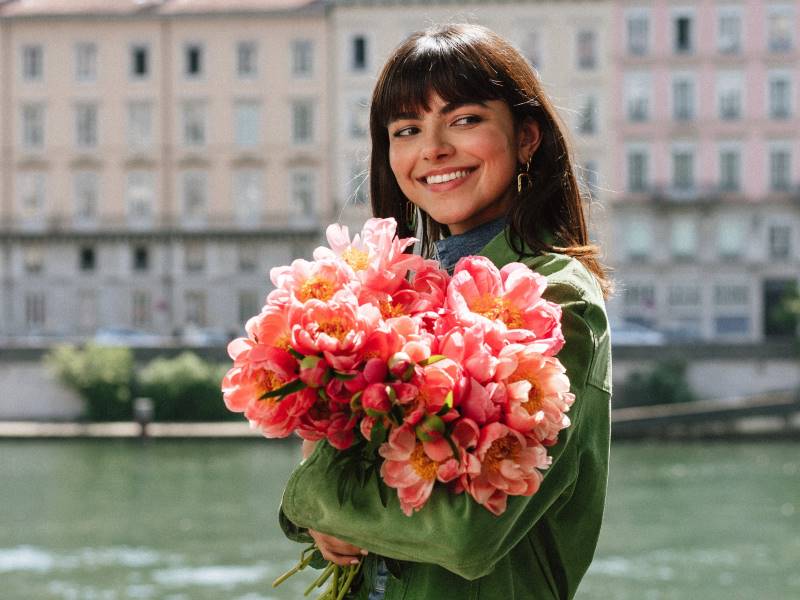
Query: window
x,y
35,316
638,167
730,89
780,242
86,62
33,259
683,33
194,257
683,236
587,118
684,295
780,95
638,31
249,304
359,117
141,258
193,61
194,123
730,168
248,196
731,295
247,60
780,163
302,58
303,195
33,126
196,308
247,255
140,192
140,124
31,189
140,61
87,258
638,88
682,169
358,53
194,201
85,188
731,235
587,49
32,62
640,296
86,125
142,311
637,236
683,97
247,118
359,186
780,24
732,325
302,121
729,30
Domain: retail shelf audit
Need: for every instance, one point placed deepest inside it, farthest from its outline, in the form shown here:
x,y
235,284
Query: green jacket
x,y
541,546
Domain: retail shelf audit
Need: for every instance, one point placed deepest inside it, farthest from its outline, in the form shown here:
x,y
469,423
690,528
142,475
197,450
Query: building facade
x,y
707,215
157,159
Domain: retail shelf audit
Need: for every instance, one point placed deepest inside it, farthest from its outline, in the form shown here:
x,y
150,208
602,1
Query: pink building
x,y
707,163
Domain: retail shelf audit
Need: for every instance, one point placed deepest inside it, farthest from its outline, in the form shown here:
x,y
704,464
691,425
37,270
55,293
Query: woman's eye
x,y
405,131
467,120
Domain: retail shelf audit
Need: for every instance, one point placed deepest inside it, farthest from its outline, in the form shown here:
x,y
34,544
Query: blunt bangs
x,y
441,65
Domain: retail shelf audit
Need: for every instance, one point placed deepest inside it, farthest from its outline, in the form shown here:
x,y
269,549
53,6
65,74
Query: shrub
x,y
103,376
185,388
664,384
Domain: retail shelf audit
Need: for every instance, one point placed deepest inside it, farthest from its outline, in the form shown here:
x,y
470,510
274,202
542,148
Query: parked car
x,y
628,333
205,336
124,336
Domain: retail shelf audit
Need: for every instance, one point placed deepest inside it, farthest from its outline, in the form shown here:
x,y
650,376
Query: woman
x,y
468,150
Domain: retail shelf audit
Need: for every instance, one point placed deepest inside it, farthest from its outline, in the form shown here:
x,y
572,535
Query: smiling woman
x,y
469,154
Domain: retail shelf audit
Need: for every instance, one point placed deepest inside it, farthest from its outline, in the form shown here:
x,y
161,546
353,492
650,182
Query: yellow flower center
x,y
283,342
390,310
270,382
357,259
500,450
498,309
335,327
422,465
317,288
535,395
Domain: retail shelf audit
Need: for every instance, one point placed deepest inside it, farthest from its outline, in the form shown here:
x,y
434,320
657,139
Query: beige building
x,y
157,158
566,41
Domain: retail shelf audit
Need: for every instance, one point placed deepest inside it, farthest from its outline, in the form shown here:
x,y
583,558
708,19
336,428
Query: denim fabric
x,y
379,585
450,249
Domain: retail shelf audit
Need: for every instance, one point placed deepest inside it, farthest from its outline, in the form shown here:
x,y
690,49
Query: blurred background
x,y
158,157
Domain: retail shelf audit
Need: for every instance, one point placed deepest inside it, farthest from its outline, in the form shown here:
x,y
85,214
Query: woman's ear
x,y
530,136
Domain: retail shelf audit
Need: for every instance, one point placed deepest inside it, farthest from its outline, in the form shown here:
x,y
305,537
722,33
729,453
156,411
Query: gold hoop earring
x,y
524,180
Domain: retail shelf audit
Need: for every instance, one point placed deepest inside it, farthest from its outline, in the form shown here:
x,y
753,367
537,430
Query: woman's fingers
x,y
335,550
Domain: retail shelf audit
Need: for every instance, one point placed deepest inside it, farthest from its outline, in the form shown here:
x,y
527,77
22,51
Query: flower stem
x,y
322,578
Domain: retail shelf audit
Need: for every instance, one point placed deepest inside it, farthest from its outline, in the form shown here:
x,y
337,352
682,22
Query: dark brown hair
x,y
470,63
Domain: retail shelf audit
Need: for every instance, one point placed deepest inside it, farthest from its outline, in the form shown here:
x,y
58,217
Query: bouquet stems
x,y
342,576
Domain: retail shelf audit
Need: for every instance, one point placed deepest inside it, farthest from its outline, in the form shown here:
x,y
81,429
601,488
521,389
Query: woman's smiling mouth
x,y
446,177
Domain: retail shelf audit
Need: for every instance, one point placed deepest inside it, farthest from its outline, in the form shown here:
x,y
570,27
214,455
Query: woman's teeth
x,y
446,177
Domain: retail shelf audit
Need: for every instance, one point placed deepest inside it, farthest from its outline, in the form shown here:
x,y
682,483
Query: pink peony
x,y
509,467
303,280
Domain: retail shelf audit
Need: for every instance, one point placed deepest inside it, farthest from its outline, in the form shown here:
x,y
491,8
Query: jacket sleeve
x,y
451,531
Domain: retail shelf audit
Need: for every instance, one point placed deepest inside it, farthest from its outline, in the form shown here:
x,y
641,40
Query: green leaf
x,y
344,376
383,492
295,385
432,359
296,354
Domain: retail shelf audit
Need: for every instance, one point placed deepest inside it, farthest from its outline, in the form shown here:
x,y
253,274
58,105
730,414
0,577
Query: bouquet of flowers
x,y
419,377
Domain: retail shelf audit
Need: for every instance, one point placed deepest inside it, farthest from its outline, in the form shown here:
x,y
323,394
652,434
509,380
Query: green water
x,y
196,521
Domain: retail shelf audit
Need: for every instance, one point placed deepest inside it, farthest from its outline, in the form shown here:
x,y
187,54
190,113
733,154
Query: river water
x,y
196,520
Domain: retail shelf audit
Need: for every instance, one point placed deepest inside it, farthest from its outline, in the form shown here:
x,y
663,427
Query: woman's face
x,y
458,163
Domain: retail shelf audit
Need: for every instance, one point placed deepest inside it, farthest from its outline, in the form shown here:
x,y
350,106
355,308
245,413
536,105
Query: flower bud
x,y
376,400
314,371
430,429
375,370
401,366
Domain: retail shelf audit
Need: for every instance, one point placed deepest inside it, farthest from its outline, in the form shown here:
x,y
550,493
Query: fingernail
x,y
354,561
364,552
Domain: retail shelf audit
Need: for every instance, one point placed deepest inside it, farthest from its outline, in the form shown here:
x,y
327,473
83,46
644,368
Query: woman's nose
x,y
436,146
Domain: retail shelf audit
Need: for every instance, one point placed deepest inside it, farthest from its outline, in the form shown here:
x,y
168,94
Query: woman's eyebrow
x,y
446,109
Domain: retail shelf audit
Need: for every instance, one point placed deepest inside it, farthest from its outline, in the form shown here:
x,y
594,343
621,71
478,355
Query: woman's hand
x,y
335,550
